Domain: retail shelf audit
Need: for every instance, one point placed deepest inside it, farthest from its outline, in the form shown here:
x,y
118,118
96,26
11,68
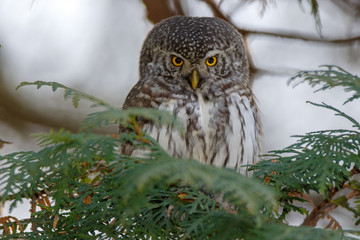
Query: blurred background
x,y
94,46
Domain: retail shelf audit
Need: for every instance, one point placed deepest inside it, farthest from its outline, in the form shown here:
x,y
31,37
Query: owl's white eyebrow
x,y
213,52
173,53
217,51
170,53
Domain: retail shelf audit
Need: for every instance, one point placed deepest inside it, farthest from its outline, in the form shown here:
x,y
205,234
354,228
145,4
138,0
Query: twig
x,y
178,7
307,198
303,37
333,222
352,194
3,142
289,35
326,206
318,213
159,10
33,203
11,197
321,210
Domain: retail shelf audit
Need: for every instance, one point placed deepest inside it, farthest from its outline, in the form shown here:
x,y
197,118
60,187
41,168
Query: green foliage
x,y
318,161
75,95
82,187
321,161
330,77
324,155
111,114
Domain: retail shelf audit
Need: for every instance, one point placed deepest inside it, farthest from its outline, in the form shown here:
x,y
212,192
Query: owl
x,y
197,69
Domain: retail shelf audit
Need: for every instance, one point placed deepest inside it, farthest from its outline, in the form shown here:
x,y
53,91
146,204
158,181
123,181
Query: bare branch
x,y
33,203
321,211
178,7
325,207
303,37
288,35
158,10
2,143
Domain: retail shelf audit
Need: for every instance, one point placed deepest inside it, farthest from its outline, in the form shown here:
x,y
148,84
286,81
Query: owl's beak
x,y
194,79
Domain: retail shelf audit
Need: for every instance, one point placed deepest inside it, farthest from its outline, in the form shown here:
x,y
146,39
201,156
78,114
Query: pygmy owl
x,y
197,69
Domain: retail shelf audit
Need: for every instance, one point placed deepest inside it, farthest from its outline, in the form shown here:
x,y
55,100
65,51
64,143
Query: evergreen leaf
x,y
315,12
125,117
84,188
75,95
283,232
317,161
332,76
338,113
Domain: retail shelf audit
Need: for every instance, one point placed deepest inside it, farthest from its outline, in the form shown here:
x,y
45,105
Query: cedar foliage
x,y
81,187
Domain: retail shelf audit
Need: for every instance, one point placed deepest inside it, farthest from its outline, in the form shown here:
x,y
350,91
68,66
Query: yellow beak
x,y
194,79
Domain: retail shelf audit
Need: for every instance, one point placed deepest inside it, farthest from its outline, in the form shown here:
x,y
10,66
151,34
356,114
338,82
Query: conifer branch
x,y
330,77
156,195
75,95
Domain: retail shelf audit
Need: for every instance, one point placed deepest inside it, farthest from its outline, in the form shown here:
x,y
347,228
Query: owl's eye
x,y
177,61
211,61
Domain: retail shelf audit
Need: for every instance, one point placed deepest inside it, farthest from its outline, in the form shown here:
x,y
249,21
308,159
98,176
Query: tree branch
x,y
327,205
289,35
178,7
3,142
158,10
33,203
318,213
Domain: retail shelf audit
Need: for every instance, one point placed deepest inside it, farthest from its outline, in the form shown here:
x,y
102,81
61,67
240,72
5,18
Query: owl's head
x,y
195,52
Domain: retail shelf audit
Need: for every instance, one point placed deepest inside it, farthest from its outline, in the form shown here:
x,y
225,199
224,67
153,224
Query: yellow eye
x,y
211,61
177,61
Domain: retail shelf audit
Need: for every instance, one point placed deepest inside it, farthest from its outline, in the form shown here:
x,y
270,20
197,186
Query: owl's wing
x,y
137,97
244,135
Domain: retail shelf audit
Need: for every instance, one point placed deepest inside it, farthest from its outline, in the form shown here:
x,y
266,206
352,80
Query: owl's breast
x,y
223,131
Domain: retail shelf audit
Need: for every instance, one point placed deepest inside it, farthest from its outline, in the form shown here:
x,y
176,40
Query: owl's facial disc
x,y
193,76
197,75
194,71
